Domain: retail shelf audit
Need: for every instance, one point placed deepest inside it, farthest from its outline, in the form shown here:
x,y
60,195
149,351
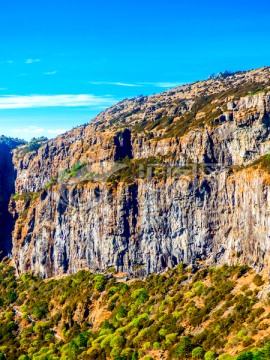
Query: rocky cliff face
x,y
178,177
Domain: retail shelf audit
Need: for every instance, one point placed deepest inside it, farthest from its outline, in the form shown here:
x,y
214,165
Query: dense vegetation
x,y
32,145
214,313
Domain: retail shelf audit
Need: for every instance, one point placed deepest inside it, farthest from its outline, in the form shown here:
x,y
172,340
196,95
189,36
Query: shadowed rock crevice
x,y
128,225
123,145
7,188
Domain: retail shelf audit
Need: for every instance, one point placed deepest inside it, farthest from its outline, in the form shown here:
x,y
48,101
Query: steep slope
x,y
175,315
151,182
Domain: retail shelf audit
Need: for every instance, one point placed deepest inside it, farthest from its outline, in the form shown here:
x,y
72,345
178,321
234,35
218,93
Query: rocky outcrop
x,y
151,182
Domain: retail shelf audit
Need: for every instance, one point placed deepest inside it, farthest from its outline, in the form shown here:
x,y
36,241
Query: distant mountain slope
x,y
7,188
12,143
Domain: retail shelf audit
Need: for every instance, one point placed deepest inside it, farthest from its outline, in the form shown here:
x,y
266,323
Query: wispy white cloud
x,y
10,62
30,130
32,61
162,84
167,84
43,101
113,83
50,73
139,84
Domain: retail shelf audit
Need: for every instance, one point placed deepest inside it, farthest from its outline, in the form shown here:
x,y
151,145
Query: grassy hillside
x,y
213,313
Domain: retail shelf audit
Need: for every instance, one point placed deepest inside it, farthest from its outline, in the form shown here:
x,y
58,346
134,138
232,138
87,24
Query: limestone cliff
x,y
153,181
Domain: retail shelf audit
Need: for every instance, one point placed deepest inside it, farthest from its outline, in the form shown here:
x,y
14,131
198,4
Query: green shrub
x,y
99,339
113,290
100,282
127,353
35,144
210,355
184,348
162,332
106,341
242,333
198,353
170,339
117,341
225,357
115,352
140,295
257,280
247,340
147,345
156,345
121,312
245,356
265,352
112,270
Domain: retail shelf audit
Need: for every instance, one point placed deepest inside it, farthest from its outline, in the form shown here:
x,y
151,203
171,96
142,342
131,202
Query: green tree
x,y
140,295
81,339
121,313
245,356
210,355
184,347
265,353
127,353
117,341
225,357
12,297
134,356
23,357
198,353
115,352
257,280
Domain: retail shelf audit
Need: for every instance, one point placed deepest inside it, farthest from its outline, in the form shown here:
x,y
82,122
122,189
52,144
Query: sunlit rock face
x,y
178,177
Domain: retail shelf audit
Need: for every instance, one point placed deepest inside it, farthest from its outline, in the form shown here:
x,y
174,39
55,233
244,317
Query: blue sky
x,y
62,62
